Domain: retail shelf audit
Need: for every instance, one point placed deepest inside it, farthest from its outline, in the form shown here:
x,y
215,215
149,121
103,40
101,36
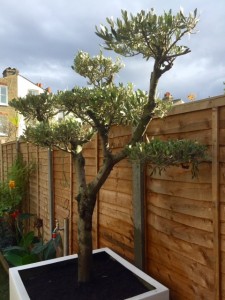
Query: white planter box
x,y
18,290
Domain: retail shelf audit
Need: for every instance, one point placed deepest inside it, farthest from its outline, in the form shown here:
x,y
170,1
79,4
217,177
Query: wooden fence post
x,y
216,200
71,207
51,192
96,214
38,180
139,222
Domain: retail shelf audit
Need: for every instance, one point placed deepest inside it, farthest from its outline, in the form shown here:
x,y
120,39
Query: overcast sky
x,y
41,38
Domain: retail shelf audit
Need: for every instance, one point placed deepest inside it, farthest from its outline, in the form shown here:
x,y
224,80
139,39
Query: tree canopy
x,y
148,34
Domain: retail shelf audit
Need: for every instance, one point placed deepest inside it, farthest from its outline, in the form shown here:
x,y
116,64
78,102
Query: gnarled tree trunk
x,y
86,203
84,240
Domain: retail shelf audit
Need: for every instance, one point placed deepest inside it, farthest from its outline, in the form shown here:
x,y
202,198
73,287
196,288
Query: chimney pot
x,y
10,71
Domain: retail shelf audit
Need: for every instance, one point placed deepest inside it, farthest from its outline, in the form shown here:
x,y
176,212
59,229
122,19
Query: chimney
x,y
48,90
10,71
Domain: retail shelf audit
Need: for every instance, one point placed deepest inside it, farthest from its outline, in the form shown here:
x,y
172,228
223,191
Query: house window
x,y
3,95
33,92
4,124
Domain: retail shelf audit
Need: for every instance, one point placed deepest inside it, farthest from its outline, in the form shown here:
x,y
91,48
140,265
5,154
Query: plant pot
x,y
47,280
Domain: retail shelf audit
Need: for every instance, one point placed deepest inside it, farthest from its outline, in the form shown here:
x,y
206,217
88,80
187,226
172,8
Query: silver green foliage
x,y
161,154
153,36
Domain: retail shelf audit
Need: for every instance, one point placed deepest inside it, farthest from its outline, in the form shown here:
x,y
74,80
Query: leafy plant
x,y
12,227
162,154
47,250
10,198
31,250
14,189
102,104
19,173
148,34
21,254
28,248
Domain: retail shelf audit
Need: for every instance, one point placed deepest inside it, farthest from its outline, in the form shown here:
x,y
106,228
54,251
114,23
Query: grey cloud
x,y
42,37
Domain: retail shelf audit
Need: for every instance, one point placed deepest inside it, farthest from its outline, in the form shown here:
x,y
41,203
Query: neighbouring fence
x,y
182,230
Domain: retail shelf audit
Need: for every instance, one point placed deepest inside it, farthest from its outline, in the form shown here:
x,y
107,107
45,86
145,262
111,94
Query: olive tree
x,y
102,104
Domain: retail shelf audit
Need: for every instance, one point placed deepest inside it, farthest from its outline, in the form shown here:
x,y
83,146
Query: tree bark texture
x,y
85,247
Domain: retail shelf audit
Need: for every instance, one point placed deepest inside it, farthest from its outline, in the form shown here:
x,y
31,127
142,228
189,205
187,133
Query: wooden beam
x,y
96,213
51,192
27,209
138,205
71,207
216,200
38,180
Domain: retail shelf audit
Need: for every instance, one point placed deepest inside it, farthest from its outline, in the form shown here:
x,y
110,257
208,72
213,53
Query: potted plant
x,y
113,278
103,104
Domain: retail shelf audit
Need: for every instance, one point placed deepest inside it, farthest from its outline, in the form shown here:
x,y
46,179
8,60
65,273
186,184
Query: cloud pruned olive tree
x,y
103,104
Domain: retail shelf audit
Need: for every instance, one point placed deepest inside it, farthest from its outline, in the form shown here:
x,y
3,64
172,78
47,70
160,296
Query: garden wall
x,y
184,218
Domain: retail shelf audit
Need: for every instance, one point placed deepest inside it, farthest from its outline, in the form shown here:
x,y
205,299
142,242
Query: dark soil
x,y
110,281
7,236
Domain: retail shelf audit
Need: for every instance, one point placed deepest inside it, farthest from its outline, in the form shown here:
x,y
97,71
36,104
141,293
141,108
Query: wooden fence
x,y
181,237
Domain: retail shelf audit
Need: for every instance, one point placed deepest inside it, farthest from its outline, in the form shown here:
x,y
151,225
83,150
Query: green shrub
x,y
31,250
14,189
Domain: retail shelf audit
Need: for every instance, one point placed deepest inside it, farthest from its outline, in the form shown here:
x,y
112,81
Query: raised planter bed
x,y
113,279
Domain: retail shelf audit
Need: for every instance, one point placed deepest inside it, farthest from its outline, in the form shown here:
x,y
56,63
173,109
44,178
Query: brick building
x,y
13,85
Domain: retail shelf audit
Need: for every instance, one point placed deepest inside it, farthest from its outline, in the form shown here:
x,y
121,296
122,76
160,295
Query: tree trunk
x,y
86,203
85,249
86,200
85,211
